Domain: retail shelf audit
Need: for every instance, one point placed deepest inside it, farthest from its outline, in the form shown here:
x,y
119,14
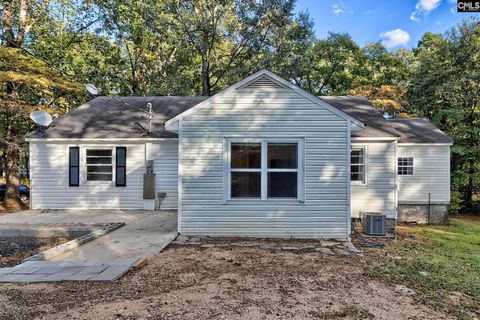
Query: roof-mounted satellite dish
x,y
41,118
94,91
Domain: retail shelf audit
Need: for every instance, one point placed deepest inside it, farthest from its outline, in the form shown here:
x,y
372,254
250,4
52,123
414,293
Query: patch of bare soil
x,y
14,249
190,282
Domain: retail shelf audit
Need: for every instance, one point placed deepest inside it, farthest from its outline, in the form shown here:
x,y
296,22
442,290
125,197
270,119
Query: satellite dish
x,y
41,118
94,91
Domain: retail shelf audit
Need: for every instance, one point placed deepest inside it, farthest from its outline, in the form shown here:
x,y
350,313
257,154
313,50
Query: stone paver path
x,y
103,259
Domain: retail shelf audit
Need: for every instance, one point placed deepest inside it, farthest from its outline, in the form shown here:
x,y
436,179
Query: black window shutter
x,y
74,167
121,167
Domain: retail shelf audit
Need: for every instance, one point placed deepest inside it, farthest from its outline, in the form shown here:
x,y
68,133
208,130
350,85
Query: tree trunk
x,y
469,191
11,152
206,87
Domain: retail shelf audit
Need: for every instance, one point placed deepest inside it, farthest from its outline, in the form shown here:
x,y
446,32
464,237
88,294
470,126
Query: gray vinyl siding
x,y
378,192
431,175
49,179
166,170
262,113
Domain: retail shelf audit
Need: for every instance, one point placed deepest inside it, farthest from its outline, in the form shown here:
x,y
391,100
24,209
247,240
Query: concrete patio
x,y
104,259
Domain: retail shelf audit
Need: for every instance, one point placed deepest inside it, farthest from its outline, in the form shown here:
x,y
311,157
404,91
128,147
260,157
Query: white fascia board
x,y
140,140
276,78
374,139
424,144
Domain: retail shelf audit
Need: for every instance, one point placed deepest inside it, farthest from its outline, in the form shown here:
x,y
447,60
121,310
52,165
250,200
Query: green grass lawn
x,y
442,263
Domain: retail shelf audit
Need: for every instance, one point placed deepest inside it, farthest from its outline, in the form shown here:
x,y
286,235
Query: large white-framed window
x,y
266,169
99,164
405,166
357,165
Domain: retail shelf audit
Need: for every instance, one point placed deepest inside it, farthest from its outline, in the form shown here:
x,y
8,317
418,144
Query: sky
x,y
397,23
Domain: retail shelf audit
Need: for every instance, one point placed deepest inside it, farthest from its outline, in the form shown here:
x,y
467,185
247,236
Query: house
x,y
261,158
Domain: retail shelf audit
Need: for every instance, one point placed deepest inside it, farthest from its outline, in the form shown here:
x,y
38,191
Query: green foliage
x,y
445,87
440,262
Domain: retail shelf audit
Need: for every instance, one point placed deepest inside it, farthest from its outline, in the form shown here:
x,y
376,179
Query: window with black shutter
x,y
121,167
74,167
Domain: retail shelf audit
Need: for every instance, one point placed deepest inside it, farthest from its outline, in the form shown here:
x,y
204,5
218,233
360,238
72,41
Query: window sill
x,y
264,201
358,183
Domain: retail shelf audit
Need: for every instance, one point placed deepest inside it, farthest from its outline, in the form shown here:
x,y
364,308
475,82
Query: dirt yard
x,y
190,282
14,249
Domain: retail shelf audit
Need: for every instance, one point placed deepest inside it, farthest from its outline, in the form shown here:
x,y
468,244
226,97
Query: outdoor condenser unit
x,y
374,223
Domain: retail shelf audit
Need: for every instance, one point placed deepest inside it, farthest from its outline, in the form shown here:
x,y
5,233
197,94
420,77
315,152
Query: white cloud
x,y
336,9
424,7
395,38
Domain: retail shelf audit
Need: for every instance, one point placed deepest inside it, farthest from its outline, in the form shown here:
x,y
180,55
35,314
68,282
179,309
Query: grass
x,y
442,263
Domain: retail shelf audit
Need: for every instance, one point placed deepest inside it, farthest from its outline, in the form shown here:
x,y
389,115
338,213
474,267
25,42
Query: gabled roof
x,y
109,118
262,75
105,117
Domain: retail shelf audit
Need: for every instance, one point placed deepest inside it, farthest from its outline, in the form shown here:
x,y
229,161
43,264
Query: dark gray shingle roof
x,y
105,117
419,131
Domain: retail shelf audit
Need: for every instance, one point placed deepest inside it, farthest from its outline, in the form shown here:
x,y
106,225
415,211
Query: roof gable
x,y
263,78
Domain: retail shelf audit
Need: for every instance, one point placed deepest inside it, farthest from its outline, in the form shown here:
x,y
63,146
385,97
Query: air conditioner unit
x,y
374,223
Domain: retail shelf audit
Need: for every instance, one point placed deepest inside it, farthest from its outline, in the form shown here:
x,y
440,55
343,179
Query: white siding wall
x,y
166,170
378,193
431,174
49,178
262,113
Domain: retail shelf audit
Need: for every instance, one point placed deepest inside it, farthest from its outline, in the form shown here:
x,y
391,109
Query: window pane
x,y
99,169
246,184
99,153
282,184
99,160
99,177
73,176
357,168
282,155
356,176
246,155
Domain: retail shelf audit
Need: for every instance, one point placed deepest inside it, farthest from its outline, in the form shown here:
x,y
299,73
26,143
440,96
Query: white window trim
x,y
365,165
413,166
264,170
83,164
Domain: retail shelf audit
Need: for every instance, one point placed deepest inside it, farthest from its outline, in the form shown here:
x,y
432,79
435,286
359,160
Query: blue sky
x,y
398,23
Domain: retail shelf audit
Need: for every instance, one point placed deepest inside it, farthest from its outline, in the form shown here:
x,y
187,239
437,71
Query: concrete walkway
x,y
103,259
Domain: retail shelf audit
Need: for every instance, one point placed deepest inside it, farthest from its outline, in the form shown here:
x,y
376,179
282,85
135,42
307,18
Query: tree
x,y
445,87
20,75
227,35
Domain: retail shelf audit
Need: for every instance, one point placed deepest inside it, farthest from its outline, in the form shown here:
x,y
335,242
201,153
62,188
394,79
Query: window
x,y
74,166
246,170
357,165
99,164
121,167
282,170
405,166
264,169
